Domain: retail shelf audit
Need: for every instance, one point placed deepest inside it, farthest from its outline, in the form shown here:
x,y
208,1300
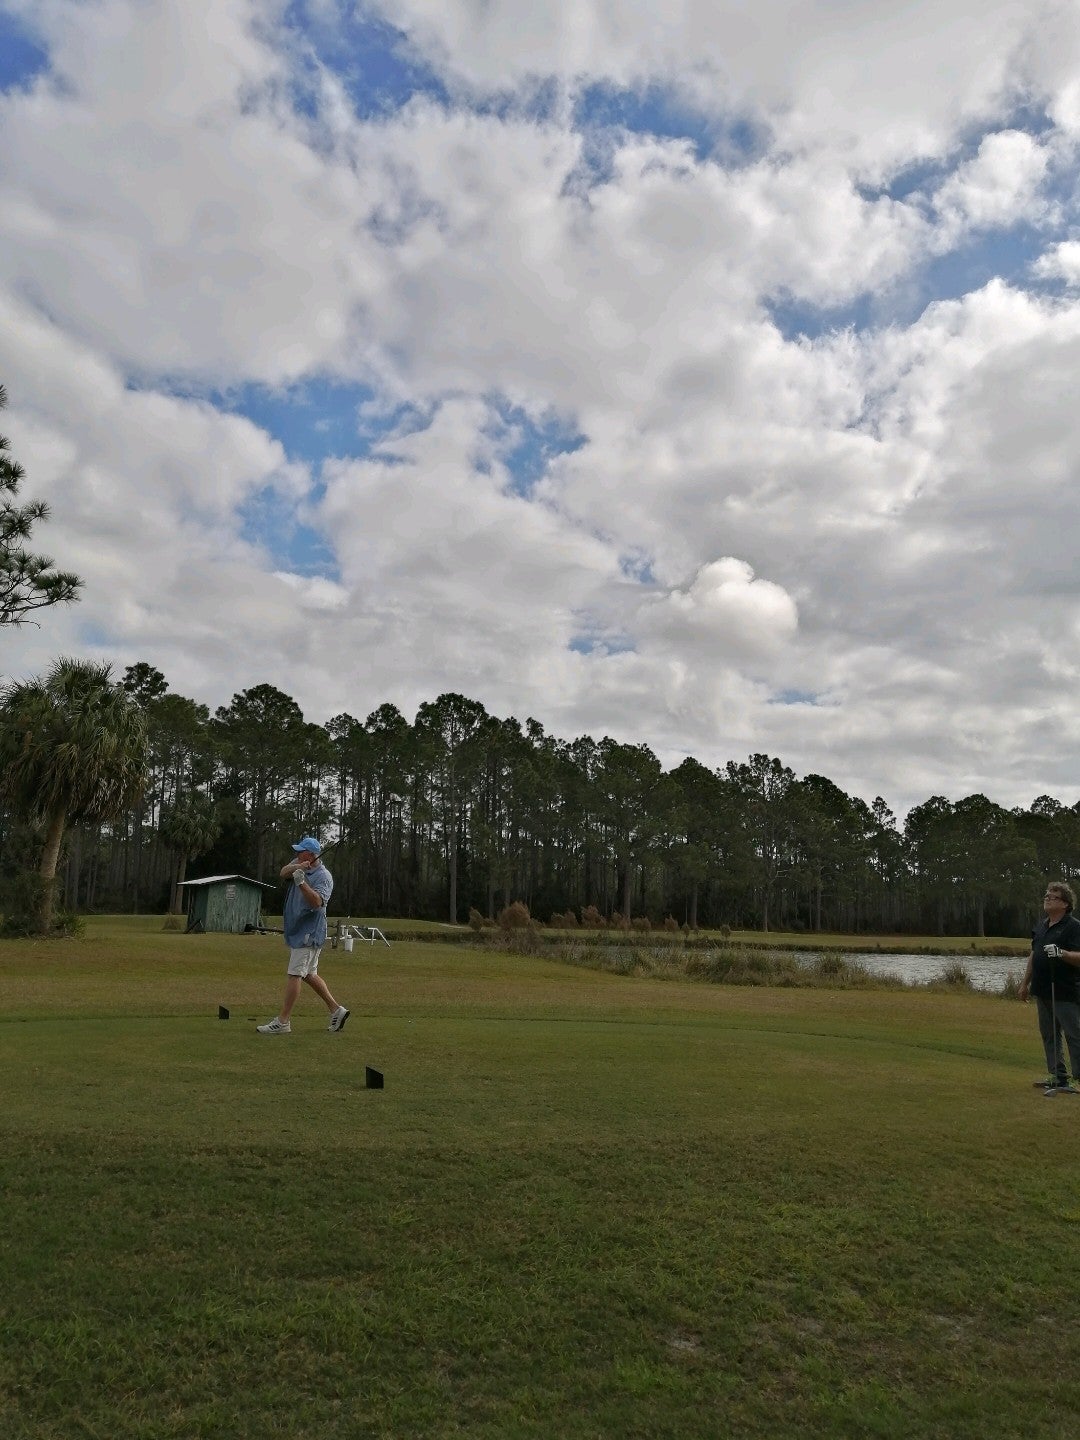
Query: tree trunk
x,y
54,834
181,871
136,878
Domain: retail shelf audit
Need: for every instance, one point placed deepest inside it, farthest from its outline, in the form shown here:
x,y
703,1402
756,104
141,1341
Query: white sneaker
x,y
338,1018
275,1027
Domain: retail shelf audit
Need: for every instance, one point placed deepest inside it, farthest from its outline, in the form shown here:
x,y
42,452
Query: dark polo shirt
x,y
1044,971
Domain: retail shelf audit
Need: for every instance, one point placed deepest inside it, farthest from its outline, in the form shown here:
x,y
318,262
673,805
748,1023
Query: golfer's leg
x,y
1055,1060
318,984
1068,1013
292,991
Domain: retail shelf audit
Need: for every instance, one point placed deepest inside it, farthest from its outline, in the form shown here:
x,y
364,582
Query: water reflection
x,y
986,972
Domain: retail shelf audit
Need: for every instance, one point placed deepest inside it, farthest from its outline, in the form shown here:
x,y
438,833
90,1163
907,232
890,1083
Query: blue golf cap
x,y
309,843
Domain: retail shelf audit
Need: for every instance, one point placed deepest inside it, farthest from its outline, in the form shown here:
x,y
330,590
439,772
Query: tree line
x,y
109,790
460,810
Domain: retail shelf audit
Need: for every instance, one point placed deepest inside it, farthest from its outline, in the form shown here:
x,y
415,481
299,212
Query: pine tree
x,y
27,582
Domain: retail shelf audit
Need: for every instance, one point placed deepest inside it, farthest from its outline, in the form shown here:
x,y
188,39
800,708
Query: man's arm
x,y
1025,983
1070,950
1071,957
295,870
314,894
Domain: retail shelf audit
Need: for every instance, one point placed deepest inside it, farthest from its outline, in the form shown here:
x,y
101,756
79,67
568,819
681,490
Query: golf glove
x,y
1052,952
299,875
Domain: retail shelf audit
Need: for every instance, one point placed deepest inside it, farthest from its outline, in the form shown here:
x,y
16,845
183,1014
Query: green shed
x,y
232,903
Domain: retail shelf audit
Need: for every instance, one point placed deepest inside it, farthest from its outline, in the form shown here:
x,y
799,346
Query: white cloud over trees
x,y
817,369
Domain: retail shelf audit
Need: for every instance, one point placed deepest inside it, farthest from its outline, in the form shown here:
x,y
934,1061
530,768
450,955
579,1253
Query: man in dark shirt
x,y
1053,977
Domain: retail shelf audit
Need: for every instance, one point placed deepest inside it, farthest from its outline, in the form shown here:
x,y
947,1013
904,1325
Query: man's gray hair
x,y
1058,887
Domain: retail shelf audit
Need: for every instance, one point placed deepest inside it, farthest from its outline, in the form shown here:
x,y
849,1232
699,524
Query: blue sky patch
x,y
531,444
661,111
313,420
602,645
605,114
922,177
94,636
638,566
999,254
795,697
21,57
272,522
800,320
370,58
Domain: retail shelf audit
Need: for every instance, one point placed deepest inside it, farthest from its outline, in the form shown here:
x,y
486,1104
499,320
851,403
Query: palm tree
x,y
72,748
188,828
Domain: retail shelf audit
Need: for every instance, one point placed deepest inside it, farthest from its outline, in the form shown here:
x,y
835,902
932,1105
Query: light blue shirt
x,y
305,925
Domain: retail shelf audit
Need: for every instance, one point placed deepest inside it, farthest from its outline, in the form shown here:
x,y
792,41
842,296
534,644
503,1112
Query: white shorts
x,y
305,961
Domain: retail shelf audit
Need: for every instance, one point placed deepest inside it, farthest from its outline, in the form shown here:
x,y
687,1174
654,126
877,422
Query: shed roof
x,y
215,879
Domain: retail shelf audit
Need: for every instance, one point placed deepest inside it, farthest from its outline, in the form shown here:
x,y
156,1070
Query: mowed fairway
x,y
583,1206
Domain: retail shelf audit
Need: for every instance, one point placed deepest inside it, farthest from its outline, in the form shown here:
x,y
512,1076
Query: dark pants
x,y
1068,1024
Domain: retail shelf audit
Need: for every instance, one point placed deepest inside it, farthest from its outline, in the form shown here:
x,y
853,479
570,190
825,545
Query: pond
x,y
986,972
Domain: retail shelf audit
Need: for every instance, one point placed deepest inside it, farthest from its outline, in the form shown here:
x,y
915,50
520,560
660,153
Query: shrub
x,y
515,917
591,918
476,920
174,922
831,967
641,922
837,972
525,940
955,975
590,957
563,922
671,924
618,922
68,923
1011,988
733,965
23,905
717,965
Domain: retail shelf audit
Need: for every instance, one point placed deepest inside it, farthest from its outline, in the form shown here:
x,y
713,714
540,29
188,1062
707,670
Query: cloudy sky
x,y
700,374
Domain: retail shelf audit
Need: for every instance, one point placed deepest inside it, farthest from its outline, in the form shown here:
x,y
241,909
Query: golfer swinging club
x,y
310,888
1053,977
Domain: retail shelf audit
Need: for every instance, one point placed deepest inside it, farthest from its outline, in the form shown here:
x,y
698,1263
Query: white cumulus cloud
x,y
750,428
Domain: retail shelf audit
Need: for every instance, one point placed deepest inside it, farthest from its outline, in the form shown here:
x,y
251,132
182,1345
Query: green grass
x,y
584,1206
